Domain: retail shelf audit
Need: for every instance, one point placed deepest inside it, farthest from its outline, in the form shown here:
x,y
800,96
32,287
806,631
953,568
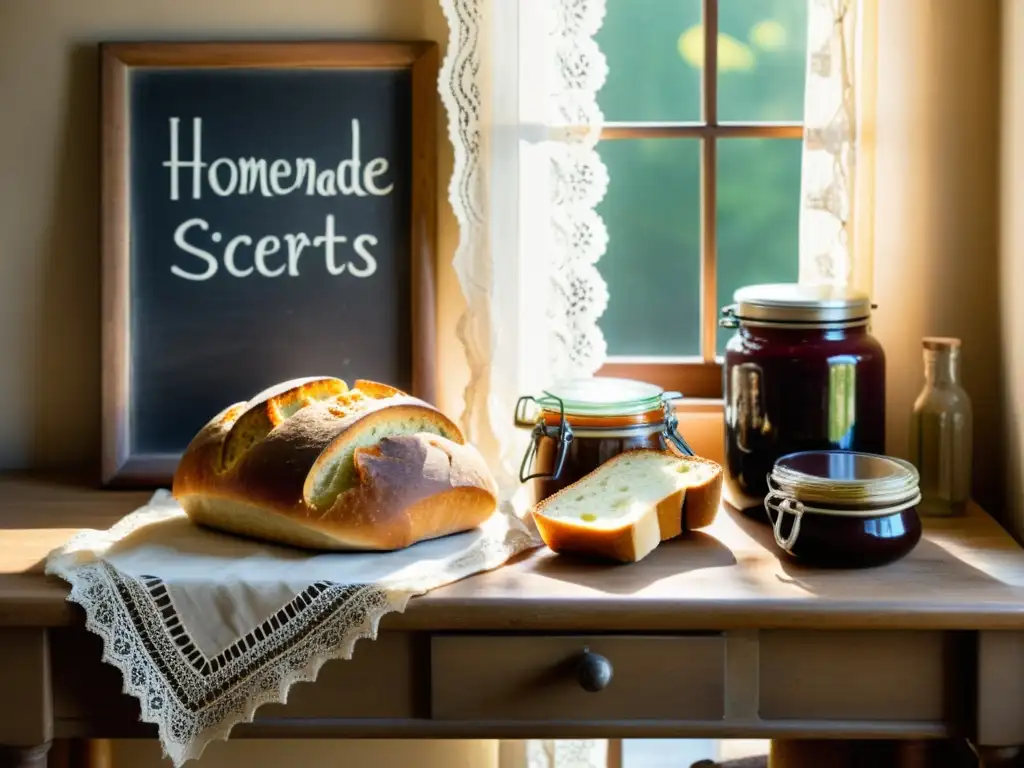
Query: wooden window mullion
x,y
709,185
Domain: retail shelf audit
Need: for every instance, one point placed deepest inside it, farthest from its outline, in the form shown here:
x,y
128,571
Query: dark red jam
x,y
790,388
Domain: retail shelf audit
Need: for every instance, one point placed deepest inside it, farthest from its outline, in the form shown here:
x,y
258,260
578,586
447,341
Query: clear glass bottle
x,y
941,431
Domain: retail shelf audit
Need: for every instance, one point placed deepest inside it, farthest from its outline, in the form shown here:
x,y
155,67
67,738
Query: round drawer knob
x,y
594,672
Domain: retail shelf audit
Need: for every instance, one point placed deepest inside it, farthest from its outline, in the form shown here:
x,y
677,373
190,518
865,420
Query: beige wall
x,y
936,211
1011,272
49,255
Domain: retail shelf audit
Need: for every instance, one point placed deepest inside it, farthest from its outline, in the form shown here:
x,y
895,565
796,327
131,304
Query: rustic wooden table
x,y
711,636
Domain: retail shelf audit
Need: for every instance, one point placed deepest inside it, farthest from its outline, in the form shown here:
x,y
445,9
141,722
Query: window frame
x,y
698,376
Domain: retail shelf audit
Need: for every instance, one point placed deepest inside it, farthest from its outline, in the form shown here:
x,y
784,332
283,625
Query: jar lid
x,y
602,396
844,478
795,303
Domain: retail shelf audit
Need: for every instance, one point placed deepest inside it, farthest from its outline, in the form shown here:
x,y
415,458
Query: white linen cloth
x,y
206,627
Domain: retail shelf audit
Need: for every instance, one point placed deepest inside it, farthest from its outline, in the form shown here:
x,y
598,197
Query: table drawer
x,y
529,677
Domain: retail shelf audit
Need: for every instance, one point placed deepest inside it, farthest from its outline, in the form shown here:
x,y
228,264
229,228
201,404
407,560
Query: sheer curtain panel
x,y
838,171
519,81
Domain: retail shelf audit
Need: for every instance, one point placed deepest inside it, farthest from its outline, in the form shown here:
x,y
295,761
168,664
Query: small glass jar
x,y
802,372
844,510
582,423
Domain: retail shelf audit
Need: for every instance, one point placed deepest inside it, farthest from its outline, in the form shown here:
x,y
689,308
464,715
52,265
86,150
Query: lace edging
x,y
123,646
93,599
574,181
461,95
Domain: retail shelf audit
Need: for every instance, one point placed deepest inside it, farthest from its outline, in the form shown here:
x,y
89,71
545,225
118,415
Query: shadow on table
x,y
690,552
928,569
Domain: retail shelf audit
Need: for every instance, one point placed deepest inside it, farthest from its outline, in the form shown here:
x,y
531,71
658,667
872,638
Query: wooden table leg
x,y
23,757
26,714
1000,726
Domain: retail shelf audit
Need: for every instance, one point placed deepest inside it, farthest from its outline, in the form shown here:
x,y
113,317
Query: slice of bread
x,y
631,503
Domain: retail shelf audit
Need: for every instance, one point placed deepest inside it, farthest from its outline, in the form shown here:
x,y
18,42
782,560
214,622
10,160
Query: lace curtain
x,y
519,81
837,185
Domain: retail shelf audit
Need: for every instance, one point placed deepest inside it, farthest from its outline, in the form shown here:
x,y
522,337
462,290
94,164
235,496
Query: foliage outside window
x,y
672,147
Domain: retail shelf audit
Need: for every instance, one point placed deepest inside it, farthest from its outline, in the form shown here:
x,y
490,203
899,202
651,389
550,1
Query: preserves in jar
x,y
839,509
802,372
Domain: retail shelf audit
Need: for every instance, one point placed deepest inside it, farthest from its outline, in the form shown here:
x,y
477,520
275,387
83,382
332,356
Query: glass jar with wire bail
x,y
802,372
579,424
843,509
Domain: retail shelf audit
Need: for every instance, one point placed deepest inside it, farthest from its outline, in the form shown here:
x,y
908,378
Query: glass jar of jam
x,y
580,424
839,509
802,373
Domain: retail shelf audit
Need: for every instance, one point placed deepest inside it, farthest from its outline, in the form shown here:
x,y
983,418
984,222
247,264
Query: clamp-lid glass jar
x,y
581,423
844,509
802,373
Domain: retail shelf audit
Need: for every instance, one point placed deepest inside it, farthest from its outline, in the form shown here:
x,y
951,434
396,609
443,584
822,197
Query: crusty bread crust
x,y
271,407
370,468
700,507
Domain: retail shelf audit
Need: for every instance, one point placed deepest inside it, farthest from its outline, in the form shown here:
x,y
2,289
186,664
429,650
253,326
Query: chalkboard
x,y
268,214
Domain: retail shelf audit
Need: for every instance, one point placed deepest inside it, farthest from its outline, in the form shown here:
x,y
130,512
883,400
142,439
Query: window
x,y
702,105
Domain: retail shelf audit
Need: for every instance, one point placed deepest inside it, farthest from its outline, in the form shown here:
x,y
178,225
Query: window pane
x,y
758,215
655,55
762,48
652,265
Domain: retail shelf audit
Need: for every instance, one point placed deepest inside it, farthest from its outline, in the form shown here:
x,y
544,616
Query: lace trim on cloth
x,y
194,699
565,179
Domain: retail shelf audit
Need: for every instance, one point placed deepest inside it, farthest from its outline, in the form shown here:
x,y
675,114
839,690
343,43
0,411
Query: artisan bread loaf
x,y
631,503
314,463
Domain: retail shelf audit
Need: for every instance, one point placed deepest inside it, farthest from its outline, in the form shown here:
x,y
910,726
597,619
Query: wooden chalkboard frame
x,y
121,464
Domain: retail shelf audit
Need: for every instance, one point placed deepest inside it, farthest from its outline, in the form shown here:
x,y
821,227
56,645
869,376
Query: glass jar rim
x,y
845,478
603,396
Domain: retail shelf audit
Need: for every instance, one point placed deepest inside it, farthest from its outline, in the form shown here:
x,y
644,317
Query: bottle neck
x,y
942,367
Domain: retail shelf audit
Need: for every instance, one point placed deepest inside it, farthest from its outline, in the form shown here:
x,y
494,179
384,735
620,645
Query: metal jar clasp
x,y
562,434
781,505
671,430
